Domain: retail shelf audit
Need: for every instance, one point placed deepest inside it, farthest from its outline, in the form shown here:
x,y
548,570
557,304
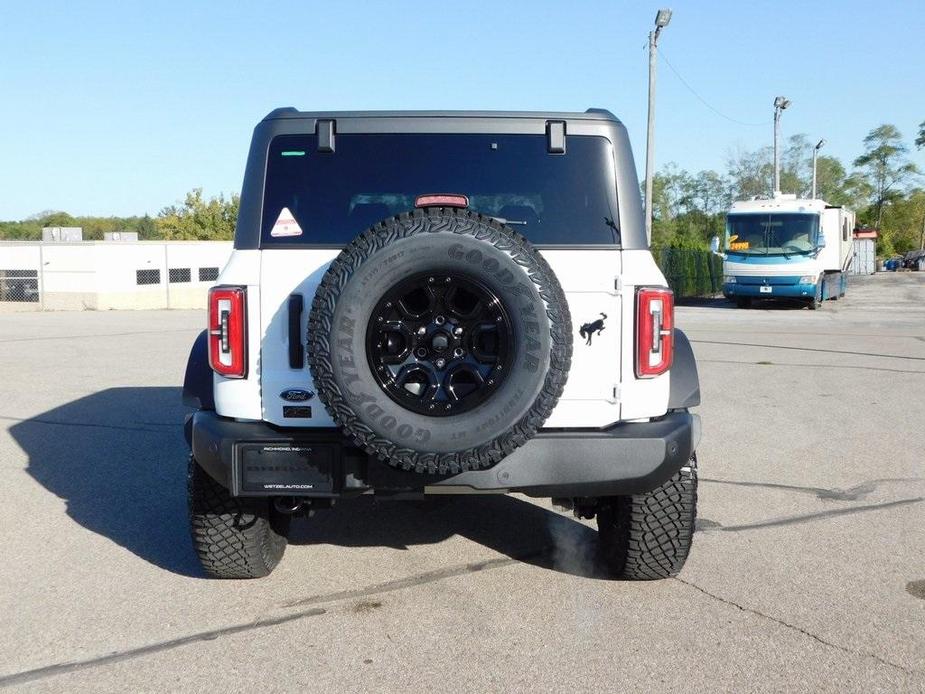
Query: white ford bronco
x,y
423,303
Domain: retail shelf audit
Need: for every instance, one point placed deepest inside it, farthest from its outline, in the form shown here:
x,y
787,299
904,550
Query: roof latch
x,y
324,130
555,136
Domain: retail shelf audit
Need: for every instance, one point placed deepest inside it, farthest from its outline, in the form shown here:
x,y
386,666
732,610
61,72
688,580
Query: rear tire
x,y
233,537
648,536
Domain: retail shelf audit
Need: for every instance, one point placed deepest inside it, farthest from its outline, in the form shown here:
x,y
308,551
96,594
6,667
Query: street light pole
x,y
780,103
661,21
819,145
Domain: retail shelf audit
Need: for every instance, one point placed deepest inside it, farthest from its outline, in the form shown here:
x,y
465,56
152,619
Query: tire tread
x,y
233,537
648,536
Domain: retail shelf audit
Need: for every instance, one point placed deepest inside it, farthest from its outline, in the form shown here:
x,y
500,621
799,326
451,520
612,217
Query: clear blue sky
x,y
120,108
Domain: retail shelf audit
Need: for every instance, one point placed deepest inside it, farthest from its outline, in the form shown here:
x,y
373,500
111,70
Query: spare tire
x,y
439,340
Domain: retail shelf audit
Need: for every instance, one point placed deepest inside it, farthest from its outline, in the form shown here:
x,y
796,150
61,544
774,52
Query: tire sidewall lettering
x,y
525,313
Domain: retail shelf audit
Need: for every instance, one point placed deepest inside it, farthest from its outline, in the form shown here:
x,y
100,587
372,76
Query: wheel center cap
x,y
440,342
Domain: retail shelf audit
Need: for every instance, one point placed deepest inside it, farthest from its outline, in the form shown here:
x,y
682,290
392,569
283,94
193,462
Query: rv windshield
x,y
771,234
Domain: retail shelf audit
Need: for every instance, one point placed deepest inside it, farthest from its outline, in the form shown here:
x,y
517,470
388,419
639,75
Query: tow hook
x,y
292,506
287,504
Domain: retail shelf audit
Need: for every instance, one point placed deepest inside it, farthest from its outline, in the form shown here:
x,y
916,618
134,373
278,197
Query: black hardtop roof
x,y
290,113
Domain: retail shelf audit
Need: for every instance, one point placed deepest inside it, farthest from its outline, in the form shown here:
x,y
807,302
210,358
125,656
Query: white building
x,y
97,275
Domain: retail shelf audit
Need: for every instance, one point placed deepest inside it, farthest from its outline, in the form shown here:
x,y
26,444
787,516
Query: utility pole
x,y
819,145
661,21
780,103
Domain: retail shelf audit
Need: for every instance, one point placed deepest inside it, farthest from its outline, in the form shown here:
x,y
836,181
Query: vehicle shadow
x,y
118,460
508,525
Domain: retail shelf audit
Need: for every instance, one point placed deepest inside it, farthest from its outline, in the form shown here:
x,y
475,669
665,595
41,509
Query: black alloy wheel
x,y
439,344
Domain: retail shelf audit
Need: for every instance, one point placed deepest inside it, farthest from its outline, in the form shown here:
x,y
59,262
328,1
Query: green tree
x,y
751,173
146,228
837,187
796,166
886,165
199,219
920,140
904,222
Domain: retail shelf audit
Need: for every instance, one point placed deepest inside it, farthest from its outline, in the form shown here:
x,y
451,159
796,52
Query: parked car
x,y
425,303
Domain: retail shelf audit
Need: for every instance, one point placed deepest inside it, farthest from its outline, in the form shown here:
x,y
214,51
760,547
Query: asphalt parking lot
x,y
808,572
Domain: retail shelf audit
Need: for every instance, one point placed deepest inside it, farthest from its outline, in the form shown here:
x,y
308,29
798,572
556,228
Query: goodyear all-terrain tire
x,y
439,247
648,536
233,537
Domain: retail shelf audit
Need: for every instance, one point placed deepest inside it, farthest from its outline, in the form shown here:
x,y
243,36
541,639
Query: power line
x,y
704,101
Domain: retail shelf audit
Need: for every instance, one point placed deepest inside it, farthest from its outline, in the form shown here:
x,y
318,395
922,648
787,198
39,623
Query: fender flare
x,y
685,383
197,383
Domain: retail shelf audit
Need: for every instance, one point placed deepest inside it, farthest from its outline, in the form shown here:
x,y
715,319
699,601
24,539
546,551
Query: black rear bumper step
x,y
628,458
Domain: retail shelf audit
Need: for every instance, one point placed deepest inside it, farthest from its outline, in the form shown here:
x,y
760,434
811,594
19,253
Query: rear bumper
x,y
790,291
627,458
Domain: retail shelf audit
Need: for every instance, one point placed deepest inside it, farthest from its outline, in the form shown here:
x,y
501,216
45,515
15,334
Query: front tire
x,y
648,536
233,537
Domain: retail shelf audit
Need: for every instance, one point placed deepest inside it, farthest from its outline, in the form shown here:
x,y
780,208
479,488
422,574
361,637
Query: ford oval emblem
x,y
296,395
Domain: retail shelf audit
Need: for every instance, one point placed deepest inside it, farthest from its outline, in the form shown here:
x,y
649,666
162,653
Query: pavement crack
x,y
142,426
265,621
412,581
798,629
810,349
71,338
118,656
810,366
808,517
854,493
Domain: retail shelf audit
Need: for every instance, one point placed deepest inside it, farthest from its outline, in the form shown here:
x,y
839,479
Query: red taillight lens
x,y
654,331
228,331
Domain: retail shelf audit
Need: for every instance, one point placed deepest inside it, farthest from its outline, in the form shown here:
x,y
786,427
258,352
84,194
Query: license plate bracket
x,y
273,468
765,289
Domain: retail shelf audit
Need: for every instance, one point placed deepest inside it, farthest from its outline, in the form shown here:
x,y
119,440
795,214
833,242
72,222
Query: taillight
x,y
654,331
228,331
441,200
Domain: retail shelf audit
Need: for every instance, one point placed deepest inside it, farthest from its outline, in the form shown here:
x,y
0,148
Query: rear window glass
x,y
316,197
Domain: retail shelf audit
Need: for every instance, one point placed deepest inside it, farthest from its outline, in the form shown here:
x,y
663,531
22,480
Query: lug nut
x,y
458,352
420,352
440,363
422,330
457,331
439,320
430,279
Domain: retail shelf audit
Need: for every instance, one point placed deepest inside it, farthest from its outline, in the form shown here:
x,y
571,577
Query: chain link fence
x,y
19,285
